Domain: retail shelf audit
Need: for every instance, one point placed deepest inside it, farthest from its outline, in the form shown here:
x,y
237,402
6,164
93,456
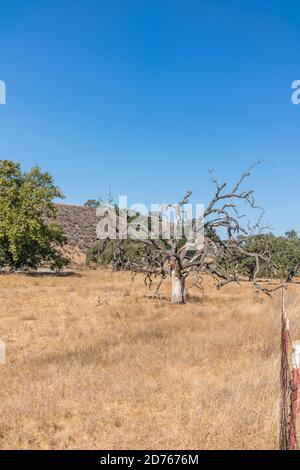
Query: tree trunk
x,y
178,288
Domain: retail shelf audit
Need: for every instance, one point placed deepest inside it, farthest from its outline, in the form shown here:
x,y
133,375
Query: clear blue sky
x,y
147,95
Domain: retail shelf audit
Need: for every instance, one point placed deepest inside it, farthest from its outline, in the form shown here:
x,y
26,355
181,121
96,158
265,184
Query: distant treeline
x,y
280,255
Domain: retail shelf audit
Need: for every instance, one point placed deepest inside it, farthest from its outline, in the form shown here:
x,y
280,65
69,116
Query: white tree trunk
x,y
178,286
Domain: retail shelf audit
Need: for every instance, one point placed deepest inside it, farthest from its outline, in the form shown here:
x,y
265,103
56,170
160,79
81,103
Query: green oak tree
x,y
29,233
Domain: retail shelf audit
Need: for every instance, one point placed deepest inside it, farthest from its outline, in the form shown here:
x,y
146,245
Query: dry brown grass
x,y
93,362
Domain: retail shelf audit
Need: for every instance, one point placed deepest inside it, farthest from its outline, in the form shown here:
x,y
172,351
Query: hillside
x,y
79,225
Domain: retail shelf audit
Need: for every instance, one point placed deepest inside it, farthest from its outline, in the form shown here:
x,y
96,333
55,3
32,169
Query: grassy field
x,y
94,362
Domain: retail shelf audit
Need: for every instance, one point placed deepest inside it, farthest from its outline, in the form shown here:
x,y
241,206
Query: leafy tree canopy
x,y
92,203
292,234
29,234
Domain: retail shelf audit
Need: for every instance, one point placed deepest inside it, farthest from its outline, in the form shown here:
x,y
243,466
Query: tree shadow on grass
x,y
165,299
50,274
193,299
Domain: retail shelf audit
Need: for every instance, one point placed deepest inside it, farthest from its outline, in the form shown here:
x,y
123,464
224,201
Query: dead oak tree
x,y
178,258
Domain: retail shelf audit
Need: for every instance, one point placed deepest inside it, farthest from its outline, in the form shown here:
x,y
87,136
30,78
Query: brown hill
x,y
79,225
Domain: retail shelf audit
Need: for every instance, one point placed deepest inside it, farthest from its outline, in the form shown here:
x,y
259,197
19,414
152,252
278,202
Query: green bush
x,y
116,254
282,257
